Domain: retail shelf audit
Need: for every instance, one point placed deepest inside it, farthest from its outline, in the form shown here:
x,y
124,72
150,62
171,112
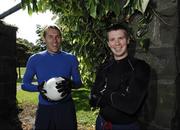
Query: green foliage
x,y
24,50
40,46
83,23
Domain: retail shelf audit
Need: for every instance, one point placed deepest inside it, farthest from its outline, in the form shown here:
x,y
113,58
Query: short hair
x,y
52,27
117,26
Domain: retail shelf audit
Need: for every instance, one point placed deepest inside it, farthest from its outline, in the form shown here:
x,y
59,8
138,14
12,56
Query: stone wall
x,y
8,111
160,109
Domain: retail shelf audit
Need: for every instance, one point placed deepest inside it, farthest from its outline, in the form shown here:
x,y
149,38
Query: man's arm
x,y
76,78
97,89
131,100
28,78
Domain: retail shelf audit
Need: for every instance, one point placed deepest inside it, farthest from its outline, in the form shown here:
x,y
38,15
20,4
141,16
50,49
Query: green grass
x,y
85,115
24,97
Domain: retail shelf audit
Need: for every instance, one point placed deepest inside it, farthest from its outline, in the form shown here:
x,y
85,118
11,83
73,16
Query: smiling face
x,y
118,41
53,39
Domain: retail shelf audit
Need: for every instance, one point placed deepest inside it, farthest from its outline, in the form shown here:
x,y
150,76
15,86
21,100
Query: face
x,y
53,40
118,42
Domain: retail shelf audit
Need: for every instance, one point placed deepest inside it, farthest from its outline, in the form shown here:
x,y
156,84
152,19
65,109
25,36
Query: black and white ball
x,y
51,90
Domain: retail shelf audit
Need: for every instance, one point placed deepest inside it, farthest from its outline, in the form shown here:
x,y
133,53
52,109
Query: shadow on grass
x,y
19,80
81,100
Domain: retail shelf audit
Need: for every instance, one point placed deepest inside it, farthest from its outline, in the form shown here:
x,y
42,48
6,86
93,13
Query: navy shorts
x,y
101,124
61,116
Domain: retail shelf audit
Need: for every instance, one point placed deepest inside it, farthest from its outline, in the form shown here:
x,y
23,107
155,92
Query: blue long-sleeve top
x,y
45,65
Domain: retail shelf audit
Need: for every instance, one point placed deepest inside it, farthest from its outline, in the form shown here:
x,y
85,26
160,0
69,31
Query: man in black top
x,y
120,86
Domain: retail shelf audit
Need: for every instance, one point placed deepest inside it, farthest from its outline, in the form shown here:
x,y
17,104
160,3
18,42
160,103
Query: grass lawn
x,y
85,116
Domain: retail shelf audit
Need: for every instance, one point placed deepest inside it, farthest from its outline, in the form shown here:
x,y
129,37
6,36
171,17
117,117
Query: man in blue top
x,y
53,115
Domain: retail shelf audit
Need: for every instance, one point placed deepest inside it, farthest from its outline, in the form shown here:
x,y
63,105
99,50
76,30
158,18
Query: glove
x,y
41,87
41,90
64,86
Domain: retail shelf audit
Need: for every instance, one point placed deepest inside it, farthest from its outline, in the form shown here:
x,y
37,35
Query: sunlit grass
x,y
24,97
85,115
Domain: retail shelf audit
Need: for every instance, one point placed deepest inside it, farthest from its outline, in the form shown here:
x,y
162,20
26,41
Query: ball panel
x,y
52,91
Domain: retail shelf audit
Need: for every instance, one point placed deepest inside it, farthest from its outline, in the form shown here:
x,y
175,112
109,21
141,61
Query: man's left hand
x,y
64,86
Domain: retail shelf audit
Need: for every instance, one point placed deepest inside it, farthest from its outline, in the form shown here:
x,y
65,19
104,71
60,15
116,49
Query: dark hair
x,y
117,26
52,27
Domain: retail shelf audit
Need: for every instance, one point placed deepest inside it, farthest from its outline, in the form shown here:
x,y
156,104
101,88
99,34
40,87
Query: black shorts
x,y
61,116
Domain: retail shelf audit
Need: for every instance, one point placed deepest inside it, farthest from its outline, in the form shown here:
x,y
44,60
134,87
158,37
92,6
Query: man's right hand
x,y
100,99
41,88
94,100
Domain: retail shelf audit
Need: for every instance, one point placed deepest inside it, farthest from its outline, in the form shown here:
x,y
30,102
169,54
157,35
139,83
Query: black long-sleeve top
x,y
127,80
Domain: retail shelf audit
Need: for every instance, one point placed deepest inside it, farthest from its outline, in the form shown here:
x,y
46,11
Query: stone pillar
x,y
161,105
8,111
175,122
